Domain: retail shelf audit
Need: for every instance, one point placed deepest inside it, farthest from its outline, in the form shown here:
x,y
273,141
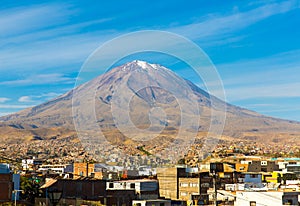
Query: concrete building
x,y
86,191
8,183
156,202
144,188
89,170
6,187
262,166
184,184
58,169
73,190
279,177
275,198
295,168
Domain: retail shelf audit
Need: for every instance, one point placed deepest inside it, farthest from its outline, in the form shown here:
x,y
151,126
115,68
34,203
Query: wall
x,y
263,198
6,187
188,186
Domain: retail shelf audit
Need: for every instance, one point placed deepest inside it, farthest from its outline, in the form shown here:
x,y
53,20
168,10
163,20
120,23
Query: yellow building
x,y
278,176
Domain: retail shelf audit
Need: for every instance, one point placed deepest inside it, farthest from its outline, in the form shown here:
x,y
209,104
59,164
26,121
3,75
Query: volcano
x,y
147,98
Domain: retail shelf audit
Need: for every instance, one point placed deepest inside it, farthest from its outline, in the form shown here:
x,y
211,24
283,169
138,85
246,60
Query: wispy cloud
x,y
24,19
218,25
41,37
5,113
25,99
278,68
14,106
38,98
279,77
274,90
4,99
41,79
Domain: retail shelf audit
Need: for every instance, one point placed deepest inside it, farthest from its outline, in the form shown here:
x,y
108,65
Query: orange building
x,y
88,170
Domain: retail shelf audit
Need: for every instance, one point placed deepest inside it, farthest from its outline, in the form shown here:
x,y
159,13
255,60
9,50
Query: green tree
x,y
30,187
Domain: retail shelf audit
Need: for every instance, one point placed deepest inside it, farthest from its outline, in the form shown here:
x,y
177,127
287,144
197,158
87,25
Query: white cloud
x,y
41,79
14,106
218,25
38,98
5,113
4,99
273,76
25,99
20,20
41,37
287,90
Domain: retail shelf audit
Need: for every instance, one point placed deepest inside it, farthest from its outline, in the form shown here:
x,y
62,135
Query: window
x,y
264,163
184,184
183,194
111,185
252,203
288,202
132,186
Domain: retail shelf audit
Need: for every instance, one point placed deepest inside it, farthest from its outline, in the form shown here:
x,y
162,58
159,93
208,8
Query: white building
x,y
59,169
274,198
151,202
144,188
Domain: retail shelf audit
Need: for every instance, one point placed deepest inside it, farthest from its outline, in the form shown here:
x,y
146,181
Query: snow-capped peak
x,y
146,65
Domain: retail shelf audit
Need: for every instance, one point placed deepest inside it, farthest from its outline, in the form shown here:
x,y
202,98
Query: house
x,y
157,202
184,184
279,177
9,182
58,169
86,191
262,166
144,188
75,189
274,198
295,168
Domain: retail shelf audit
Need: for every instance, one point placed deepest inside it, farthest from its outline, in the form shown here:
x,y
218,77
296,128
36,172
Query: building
x,y
73,190
6,187
31,164
295,168
90,170
261,166
8,183
184,184
144,188
274,198
58,169
279,177
157,202
86,191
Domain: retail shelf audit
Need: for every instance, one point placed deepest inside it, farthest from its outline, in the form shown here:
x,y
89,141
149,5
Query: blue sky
x,y
254,44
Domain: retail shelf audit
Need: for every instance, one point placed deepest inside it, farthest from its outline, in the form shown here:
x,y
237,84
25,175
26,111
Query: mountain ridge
x,y
132,77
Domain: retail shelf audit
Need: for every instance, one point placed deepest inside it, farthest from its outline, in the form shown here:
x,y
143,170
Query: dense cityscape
x,y
237,174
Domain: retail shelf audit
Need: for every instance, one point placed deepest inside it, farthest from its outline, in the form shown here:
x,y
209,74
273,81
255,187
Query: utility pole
x,y
16,192
215,189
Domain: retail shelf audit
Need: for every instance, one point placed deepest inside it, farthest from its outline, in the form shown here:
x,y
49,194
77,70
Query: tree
x,y
30,187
